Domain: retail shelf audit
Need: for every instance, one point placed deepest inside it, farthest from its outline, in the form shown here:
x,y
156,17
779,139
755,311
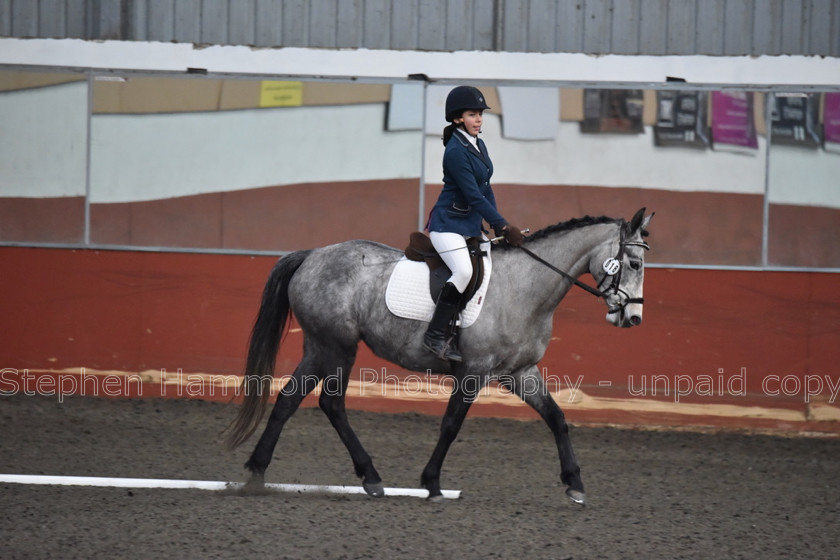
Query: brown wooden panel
x,y
42,220
190,221
689,227
279,218
316,214
804,236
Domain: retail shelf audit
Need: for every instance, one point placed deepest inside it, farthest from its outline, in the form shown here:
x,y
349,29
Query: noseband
x,y
612,269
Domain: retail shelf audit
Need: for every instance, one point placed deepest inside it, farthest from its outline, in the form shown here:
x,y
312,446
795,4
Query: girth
x,y
420,249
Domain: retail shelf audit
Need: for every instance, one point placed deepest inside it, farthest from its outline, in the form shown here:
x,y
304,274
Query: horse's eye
x,y
636,265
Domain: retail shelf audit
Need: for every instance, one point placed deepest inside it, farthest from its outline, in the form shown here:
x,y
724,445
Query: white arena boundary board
x,y
106,482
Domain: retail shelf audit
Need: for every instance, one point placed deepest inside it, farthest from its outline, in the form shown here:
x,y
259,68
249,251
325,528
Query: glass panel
x,y
278,165
804,195
565,153
43,143
250,165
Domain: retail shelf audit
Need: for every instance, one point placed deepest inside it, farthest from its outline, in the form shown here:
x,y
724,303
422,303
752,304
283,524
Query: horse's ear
x,y
636,221
646,221
639,222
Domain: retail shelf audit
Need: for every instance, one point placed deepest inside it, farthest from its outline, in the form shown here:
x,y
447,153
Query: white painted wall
x,y
147,157
804,177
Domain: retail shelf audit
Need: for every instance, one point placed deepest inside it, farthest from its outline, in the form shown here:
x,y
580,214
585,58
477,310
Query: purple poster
x,y
831,118
732,120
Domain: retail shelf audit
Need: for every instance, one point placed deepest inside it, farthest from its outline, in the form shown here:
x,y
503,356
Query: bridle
x,y
612,268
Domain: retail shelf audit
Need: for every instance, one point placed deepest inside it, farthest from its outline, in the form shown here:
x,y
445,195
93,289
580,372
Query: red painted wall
x,y
135,311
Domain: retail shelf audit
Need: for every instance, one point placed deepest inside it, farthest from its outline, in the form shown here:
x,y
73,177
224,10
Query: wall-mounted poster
x,y
681,119
613,110
831,122
794,119
733,124
276,93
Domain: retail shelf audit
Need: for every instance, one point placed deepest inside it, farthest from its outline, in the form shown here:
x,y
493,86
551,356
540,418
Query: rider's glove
x,y
513,235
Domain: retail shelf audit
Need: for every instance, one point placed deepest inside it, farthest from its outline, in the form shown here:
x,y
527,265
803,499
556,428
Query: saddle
x,y
420,249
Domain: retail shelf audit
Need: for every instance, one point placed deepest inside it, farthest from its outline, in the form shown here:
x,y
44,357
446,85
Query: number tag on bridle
x,y
611,266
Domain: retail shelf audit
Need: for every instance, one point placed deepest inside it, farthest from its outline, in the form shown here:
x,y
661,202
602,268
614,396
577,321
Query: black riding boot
x,y
438,337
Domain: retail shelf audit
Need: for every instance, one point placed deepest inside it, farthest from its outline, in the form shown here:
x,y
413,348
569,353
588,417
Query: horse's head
x,y
619,267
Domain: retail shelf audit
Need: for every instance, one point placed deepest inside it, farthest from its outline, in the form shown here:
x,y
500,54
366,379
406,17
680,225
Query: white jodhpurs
x,y
452,248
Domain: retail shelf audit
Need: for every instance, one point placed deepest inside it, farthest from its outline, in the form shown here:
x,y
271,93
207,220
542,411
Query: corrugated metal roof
x,y
646,27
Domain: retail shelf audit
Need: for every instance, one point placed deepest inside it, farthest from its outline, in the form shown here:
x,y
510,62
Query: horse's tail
x,y
273,315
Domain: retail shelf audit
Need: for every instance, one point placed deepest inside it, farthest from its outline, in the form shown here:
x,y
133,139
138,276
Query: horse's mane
x,y
574,223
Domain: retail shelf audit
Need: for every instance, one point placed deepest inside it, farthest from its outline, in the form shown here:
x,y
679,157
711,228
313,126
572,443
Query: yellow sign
x,y
274,93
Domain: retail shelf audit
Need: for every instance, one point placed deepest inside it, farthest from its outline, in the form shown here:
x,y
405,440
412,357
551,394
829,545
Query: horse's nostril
x,y
635,320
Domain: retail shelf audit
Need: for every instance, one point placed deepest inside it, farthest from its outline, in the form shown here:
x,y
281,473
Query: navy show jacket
x,y
467,197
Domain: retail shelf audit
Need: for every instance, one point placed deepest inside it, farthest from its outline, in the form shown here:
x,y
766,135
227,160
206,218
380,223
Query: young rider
x,y
466,200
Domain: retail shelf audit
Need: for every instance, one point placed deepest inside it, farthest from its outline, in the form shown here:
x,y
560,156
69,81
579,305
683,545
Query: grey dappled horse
x,y
337,294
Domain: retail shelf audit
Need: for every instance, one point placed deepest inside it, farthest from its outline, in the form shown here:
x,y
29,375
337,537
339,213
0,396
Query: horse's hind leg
x,y
331,402
529,385
303,381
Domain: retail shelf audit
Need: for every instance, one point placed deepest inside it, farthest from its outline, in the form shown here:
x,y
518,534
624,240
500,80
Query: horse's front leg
x,y
529,385
464,392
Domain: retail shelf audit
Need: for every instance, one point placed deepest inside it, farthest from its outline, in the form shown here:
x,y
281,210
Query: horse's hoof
x,y
375,489
255,482
576,496
254,486
436,499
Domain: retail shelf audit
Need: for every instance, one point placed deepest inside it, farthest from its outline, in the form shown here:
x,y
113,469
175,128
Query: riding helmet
x,y
463,98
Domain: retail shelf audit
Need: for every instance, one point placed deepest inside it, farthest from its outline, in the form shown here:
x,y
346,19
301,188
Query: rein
x,y
612,268
594,291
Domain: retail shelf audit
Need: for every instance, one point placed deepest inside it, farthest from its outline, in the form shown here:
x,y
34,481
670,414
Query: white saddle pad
x,y
407,294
